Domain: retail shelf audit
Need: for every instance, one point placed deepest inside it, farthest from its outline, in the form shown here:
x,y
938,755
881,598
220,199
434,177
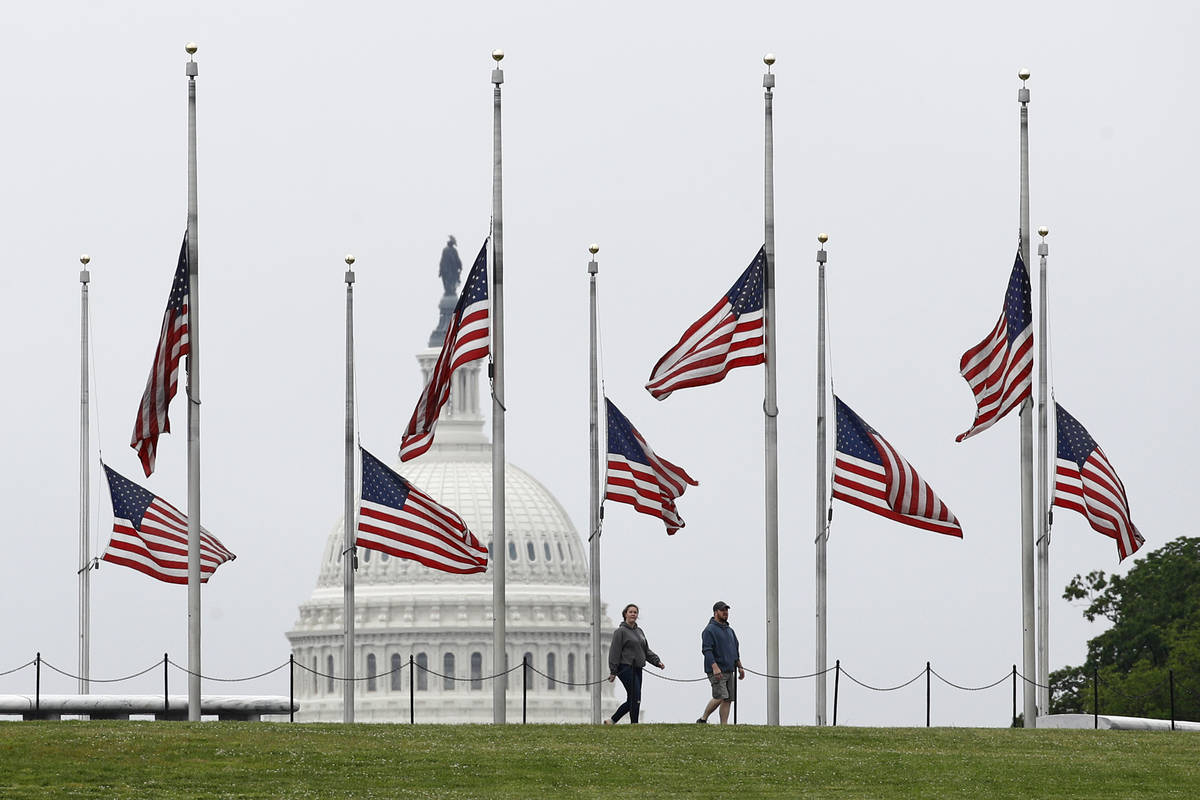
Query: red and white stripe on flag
x,y
173,344
730,335
644,488
159,548
999,369
1098,494
422,530
893,490
467,339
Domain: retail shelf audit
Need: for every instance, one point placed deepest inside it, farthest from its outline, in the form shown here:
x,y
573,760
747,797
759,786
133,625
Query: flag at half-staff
x,y
999,369
730,335
173,344
637,476
399,519
151,535
467,339
1086,482
869,473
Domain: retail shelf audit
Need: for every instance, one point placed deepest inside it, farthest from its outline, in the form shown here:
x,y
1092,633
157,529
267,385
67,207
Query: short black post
x,y
837,677
1095,698
166,701
1171,678
524,687
926,694
412,699
1014,722
291,687
37,685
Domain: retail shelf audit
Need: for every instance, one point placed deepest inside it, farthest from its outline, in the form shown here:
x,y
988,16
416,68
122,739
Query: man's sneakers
x,y
608,721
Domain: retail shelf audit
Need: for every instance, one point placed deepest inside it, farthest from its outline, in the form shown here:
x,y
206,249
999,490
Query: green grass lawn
x,y
152,760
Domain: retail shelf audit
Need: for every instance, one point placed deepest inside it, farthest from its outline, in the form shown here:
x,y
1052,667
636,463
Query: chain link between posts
x,y
1013,675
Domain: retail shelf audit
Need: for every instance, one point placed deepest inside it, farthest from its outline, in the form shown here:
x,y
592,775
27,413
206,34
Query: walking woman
x,y
627,656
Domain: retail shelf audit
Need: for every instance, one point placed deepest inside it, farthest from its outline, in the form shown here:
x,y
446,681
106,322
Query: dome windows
x,y
476,671
422,672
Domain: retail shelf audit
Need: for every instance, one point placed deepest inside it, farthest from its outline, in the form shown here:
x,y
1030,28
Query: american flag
x,y
399,519
869,473
1000,368
730,335
164,374
467,339
637,476
1086,482
151,535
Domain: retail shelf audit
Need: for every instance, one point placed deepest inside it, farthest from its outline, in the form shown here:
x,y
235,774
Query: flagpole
x,y
594,489
1029,659
499,549
821,656
770,410
193,393
1043,486
349,555
85,556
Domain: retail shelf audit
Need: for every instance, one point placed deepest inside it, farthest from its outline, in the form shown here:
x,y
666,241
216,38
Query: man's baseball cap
x,y
720,605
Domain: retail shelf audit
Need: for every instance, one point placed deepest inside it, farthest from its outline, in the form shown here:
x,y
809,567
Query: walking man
x,y
719,644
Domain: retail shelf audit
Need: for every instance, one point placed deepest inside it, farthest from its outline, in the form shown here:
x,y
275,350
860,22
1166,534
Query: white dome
x,y
543,545
406,611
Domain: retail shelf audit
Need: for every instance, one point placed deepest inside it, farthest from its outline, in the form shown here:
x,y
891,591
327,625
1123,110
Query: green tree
x,y
1155,614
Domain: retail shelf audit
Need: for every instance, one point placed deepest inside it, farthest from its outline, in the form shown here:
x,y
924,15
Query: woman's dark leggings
x,y
631,678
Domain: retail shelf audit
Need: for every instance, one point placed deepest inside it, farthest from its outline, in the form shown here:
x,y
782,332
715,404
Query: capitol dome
x,y
443,621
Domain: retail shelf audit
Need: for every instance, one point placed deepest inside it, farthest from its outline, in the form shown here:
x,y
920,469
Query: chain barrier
x,y
1187,691
1007,676
18,669
675,680
552,679
878,689
1029,681
153,666
464,679
184,669
825,671
1136,698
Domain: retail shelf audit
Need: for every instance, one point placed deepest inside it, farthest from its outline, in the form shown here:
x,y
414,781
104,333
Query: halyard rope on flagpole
x,y
828,355
595,495
94,402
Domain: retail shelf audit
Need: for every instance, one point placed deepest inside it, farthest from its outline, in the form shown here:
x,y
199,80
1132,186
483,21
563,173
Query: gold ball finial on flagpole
x,y
593,248
349,260
822,237
1043,231
1023,74
191,48
497,55
769,59
84,259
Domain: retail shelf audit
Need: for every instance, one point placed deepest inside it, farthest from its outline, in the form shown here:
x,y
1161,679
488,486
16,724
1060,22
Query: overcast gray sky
x,y
366,128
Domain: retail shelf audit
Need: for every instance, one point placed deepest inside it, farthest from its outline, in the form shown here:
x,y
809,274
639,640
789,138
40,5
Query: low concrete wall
x,y
122,706
1115,723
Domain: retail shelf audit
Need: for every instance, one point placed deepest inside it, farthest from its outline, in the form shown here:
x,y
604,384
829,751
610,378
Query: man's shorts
x,y
722,685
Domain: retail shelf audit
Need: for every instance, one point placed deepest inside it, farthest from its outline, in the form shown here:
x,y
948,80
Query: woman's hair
x,y
625,610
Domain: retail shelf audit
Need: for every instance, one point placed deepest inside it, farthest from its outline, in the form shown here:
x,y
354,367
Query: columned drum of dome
x,y
443,622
